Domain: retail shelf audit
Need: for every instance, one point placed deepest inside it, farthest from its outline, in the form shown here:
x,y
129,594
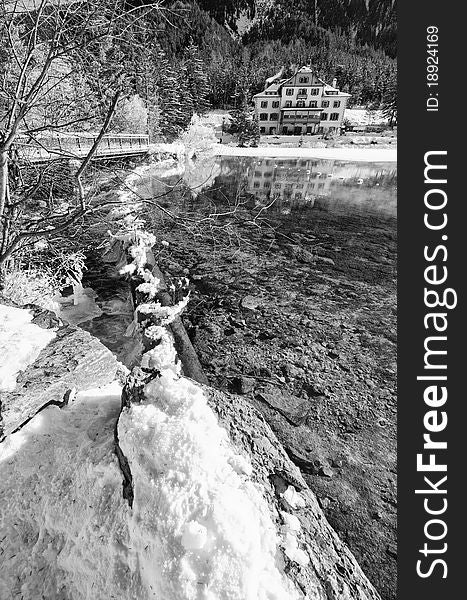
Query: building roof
x,y
272,89
277,84
329,88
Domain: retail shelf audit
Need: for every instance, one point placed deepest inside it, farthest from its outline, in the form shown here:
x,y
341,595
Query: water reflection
x,y
293,183
283,185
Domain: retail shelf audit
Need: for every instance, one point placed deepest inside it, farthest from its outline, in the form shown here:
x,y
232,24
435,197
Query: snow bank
x,y
20,343
352,154
207,530
199,530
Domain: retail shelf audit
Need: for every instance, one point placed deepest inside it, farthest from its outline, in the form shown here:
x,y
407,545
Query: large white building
x,y
300,105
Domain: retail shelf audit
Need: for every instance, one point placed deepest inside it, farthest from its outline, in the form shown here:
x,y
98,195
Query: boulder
x,y
72,360
333,572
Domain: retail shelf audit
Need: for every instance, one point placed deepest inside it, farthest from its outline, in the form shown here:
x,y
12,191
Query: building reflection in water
x,y
292,183
289,182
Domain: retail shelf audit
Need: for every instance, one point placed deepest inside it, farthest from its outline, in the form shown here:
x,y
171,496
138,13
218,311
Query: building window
x,y
275,104
334,117
324,116
289,92
303,80
272,130
325,103
274,116
256,184
258,173
302,92
298,196
262,129
314,91
288,104
267,184
263,117
313,104
336,103
331,93
277,186
264,104
301,104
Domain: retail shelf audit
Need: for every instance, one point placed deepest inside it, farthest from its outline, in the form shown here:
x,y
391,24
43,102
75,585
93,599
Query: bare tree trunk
x,y
3,182
4,224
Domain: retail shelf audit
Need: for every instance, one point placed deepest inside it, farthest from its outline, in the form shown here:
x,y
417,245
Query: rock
x,y
243,385
251,302
294,409
326,259
326,471
43,318
73,359
325,502
332,572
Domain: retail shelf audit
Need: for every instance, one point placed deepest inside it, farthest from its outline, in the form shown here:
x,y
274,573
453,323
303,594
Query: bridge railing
x,y
52,145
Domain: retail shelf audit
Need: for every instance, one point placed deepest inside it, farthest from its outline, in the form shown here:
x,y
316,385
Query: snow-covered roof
x,y
271,90
329,88
277,84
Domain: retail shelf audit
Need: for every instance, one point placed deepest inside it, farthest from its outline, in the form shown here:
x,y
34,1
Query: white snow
x,y
291,521
293,498
353,154
362,116
209,522
199,528
20,343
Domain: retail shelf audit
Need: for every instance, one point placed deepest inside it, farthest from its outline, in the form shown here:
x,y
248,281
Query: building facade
x,y
300,105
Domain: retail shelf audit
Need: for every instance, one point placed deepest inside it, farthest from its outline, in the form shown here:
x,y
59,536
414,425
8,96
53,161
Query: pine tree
x,y
390,102
173,99
197,80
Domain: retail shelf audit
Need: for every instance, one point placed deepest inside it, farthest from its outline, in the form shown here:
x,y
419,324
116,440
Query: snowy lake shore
x,y
353,154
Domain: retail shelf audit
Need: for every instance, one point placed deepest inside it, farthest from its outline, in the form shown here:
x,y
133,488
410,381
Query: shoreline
x,y
350,154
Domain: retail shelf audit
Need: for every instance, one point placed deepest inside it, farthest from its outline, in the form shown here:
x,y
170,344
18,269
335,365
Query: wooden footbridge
x,y
54,146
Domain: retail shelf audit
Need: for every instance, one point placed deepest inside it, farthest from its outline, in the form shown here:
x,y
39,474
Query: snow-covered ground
x,y
354,154
20,344
362,116
199,528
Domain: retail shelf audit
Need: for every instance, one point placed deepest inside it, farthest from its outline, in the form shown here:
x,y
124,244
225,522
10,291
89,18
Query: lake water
x,y
284,185
339,210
